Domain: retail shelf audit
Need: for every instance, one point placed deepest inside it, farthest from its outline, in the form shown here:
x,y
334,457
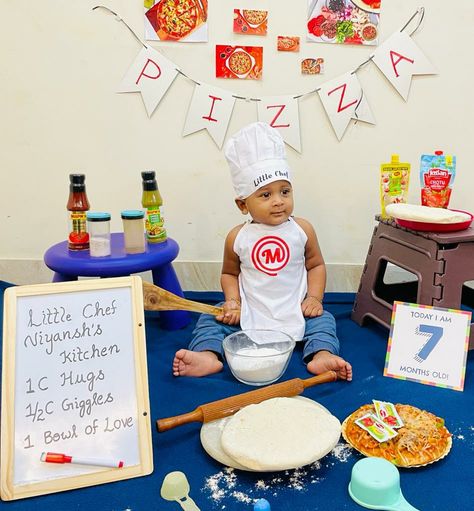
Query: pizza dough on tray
x,y
418,213
280,434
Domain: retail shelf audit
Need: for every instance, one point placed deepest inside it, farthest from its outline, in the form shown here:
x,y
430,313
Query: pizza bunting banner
x,y
343,98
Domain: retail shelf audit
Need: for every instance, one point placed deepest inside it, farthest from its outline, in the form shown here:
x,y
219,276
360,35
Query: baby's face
x,y
271,204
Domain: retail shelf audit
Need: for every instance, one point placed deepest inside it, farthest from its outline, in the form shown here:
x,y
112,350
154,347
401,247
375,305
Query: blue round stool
x,y
69,265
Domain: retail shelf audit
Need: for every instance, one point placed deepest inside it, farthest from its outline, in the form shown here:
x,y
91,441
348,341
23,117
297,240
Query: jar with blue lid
x,y
133,230
98,226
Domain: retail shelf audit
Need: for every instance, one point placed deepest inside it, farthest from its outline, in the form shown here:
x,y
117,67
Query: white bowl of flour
x,y
258,357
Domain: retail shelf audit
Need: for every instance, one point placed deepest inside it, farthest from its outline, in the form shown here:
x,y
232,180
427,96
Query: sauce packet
x,y
387,413
376,428
437,173
394,181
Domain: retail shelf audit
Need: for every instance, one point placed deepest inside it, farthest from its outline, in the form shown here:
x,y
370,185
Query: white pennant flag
x,y
399,58
151,74
343,99
281,112
210,109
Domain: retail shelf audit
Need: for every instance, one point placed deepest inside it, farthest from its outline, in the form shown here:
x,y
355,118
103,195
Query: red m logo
x,y
270,258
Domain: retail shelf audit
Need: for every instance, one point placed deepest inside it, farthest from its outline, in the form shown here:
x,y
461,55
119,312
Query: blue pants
x,y
319,334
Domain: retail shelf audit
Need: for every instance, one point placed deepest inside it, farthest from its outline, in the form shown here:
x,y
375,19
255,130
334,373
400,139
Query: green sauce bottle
x,y
152,202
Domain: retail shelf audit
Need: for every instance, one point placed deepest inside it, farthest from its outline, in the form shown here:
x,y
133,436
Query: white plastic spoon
x,y
176,487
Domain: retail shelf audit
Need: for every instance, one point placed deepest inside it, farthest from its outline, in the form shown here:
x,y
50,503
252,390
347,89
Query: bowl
x,y
258,357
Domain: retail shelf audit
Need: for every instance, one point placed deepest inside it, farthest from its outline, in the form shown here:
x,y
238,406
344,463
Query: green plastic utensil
x,y
375,484
175,486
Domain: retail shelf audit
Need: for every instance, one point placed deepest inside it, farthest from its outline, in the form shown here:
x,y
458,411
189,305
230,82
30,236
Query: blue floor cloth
x,y
443,485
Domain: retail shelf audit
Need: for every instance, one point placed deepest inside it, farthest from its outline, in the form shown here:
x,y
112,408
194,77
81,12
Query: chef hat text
x,y
256,156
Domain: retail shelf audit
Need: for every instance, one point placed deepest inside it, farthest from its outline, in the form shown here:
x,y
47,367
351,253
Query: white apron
x,y
273,277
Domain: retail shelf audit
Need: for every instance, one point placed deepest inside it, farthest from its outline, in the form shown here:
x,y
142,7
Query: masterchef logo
x,y
270,255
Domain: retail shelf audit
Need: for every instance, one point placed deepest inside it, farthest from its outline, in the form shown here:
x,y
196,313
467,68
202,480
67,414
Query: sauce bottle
x,y
77,205
152,202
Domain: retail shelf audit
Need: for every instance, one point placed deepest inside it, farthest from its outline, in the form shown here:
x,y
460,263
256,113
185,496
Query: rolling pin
x,y
229,405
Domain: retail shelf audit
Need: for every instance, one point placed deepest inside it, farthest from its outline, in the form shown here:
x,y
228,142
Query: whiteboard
x,y
74,381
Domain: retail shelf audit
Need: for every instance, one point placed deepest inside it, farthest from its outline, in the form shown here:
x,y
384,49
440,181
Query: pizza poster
x,y
428,345
343,21
241,62
176,20
250,22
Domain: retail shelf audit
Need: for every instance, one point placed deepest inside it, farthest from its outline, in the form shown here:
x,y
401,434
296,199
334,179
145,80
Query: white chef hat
x,y
256,157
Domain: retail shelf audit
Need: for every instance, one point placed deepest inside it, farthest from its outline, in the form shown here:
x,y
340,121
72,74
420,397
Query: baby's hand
x,y
311,307
231,314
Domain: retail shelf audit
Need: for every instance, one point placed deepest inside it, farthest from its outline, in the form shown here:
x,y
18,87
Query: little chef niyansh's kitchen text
x,y
81,384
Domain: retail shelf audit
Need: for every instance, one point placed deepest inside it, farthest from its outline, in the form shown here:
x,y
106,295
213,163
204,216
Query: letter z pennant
x,y
343,99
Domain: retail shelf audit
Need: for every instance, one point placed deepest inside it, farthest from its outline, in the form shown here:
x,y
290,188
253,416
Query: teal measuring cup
x,y
375,484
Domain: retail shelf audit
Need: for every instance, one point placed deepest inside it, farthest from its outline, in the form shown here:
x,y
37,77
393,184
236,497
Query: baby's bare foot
x,y
195,363
326,361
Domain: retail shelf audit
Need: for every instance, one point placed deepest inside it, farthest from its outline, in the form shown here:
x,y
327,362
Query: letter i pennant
x,y
151,74
399,58
210,109
343,99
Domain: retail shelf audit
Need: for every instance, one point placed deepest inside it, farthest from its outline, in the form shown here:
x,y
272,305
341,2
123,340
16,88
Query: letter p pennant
x,y
151,74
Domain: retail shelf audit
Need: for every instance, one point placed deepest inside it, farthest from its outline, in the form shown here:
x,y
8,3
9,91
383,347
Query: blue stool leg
x,y
62,277
164,276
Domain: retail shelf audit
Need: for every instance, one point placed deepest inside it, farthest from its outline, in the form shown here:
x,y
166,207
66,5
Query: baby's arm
x,y
230,281
312,305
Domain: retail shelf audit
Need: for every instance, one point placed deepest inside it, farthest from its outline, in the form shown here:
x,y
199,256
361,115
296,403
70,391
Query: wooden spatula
x,y
157,299
228,406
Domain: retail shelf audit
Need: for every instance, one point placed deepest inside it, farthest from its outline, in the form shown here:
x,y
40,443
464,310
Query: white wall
x,y
61,63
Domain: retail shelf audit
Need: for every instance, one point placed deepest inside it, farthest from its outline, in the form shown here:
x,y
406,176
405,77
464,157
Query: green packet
x,y
376,428
387,413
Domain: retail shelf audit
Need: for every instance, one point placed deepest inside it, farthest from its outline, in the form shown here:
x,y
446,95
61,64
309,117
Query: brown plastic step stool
x,y
443,262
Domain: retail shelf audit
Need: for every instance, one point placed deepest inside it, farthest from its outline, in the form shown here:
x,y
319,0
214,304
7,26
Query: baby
x,y
273,273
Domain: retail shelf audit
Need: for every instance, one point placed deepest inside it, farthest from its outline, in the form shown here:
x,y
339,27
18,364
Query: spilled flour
x,y
225,485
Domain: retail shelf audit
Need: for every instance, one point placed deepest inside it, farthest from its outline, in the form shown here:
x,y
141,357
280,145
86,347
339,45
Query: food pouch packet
x,y
375,427
387,413
394,181
437,173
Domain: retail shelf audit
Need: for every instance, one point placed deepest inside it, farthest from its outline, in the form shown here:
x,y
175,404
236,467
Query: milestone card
x,y
428,345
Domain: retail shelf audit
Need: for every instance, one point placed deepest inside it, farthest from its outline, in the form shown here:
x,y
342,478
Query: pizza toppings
x,y
422,439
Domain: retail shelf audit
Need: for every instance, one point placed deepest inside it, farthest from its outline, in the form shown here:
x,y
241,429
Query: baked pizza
x,y
177,18
240,62
422,439
254,17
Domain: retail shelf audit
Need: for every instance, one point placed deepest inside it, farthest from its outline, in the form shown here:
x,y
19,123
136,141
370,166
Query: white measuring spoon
x,y
175,486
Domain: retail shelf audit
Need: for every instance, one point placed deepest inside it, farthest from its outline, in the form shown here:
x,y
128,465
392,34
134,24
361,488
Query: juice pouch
x,y
394,181
437,173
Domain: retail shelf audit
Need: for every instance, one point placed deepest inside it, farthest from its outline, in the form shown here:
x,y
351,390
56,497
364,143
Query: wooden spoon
x,y
157,299
228,406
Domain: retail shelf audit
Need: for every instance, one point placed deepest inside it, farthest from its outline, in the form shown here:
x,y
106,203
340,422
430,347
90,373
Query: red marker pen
x,y
54,457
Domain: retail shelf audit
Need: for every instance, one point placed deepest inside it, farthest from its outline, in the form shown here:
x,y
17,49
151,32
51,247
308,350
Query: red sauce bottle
x,y
77,205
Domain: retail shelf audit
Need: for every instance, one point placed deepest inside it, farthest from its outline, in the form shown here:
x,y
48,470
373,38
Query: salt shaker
x,y
133,231
98,226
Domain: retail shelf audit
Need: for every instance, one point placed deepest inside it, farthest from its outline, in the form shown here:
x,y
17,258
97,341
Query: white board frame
x,y
10,491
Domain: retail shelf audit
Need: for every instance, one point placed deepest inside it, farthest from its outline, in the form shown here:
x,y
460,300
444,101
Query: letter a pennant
x,y
151,74
399,58
281,112
343,99
210,109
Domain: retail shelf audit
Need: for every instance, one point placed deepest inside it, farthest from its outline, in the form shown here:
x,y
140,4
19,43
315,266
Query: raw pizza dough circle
x,y
419,213
280,434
